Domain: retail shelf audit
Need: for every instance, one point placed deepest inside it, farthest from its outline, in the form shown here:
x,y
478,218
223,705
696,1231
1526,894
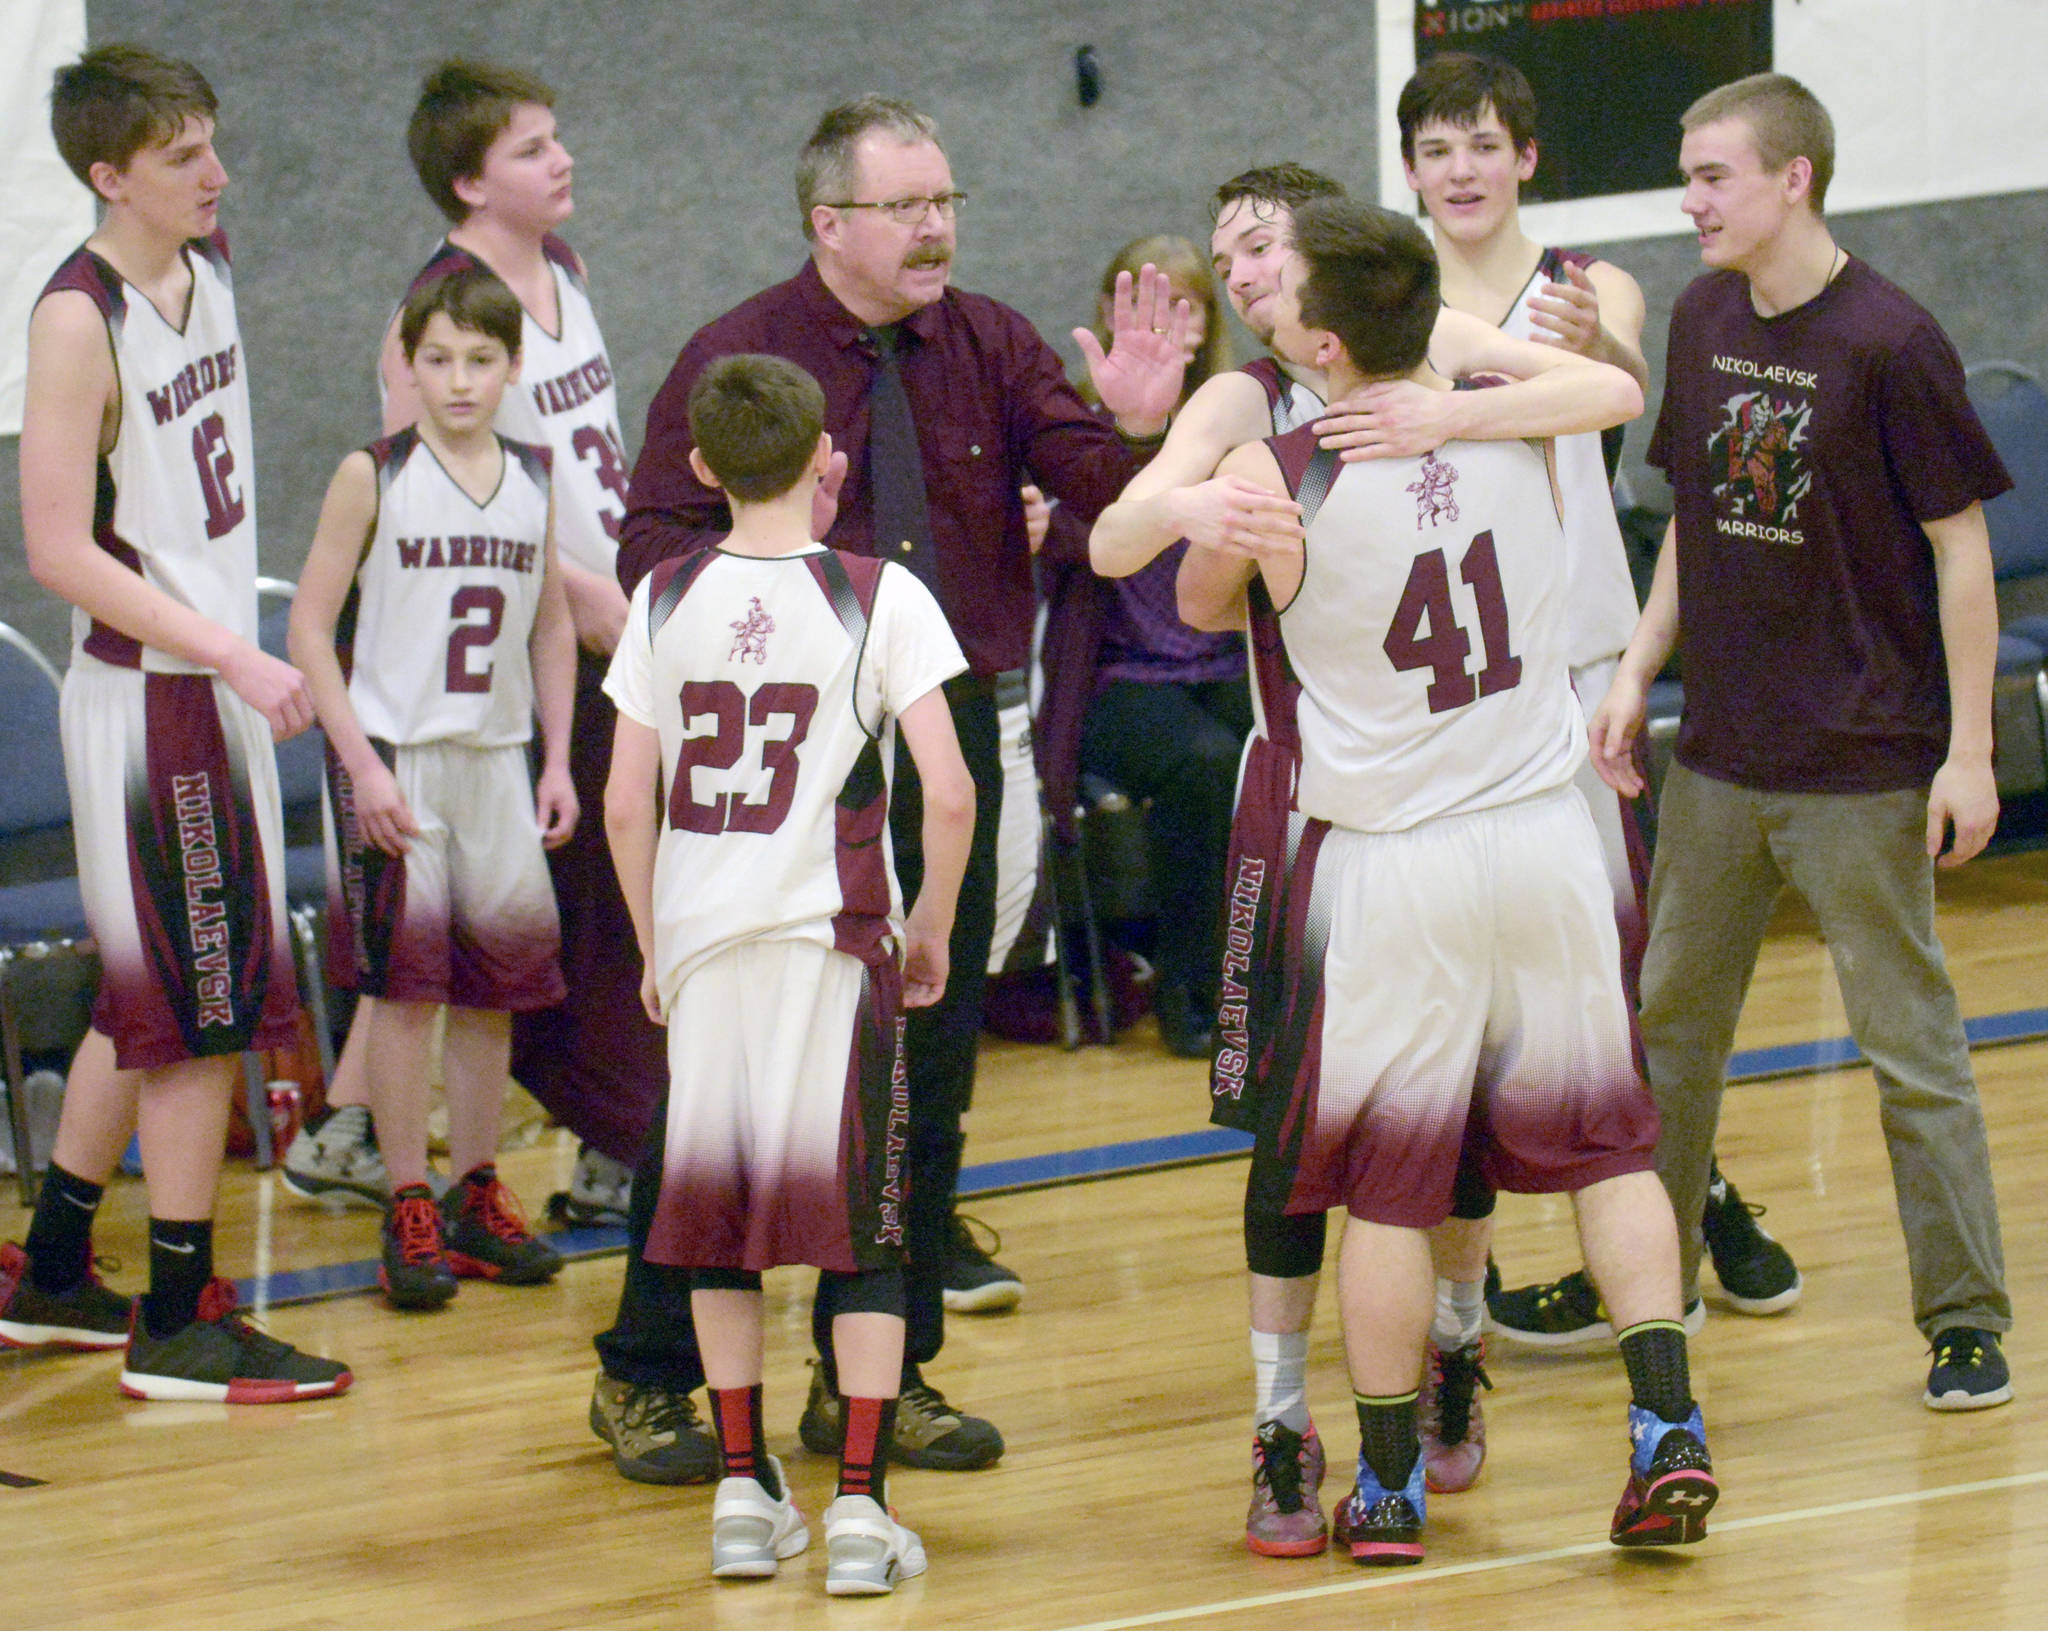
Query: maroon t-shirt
x,y
1804,451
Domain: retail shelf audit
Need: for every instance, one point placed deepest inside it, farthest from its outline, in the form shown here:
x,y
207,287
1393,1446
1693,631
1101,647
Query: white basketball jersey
x,y
177,495
1429,636
445,600
565,400
772,684
1602,613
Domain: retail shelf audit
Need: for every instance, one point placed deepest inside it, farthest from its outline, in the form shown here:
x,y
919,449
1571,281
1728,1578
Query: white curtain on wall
x,y
44,213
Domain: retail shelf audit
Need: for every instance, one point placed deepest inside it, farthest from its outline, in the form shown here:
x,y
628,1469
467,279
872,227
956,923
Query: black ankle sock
x,y
180,1264
736,1417
1659,1380
1388,1437
59,1243
864,1456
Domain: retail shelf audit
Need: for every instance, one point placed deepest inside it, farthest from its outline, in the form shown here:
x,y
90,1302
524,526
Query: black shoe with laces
x,y
87,1316
413,1266
220,1358
1757,1274
1969,1371
1450,1419
973,1281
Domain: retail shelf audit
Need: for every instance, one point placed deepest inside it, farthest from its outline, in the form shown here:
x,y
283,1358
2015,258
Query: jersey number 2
x,y
465,636
1427,598
735,712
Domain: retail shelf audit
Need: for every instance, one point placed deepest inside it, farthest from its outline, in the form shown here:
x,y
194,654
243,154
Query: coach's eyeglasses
x,y
909,212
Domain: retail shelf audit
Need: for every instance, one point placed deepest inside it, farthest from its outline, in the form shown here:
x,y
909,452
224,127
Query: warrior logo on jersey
x,y
750,634
1758,451
1435,502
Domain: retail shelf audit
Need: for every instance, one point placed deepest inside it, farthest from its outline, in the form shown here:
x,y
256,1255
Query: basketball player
x,y
138,507
1449,917
756,683
434,545
1468,142
1250,244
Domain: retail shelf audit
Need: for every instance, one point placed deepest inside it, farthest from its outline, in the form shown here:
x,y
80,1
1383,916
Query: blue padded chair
x,y
2014,408
41,913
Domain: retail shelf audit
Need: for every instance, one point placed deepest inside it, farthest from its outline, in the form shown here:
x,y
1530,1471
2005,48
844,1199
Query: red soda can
x,y
287,1110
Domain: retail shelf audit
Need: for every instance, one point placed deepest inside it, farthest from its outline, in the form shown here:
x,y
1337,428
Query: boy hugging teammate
x,y
434,559
748,816
1456,953
138,507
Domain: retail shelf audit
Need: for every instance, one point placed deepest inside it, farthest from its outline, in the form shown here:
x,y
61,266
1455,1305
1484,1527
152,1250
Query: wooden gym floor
x,y
458,1484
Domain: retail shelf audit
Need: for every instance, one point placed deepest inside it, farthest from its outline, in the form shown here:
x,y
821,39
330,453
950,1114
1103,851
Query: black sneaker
x,y
1564,1314
413,1269
974,1282
1969,1371
1448,1414
85,1317
487,1235
930,1433
220,1358
655,1433
1183,1028
1757,1274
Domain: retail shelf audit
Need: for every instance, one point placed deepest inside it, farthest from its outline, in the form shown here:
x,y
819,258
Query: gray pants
x,y
1859,861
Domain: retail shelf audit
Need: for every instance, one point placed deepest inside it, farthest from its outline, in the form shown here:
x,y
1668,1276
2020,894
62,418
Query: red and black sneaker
x,y
87,1316
415,1271
1671,1486
220,1358
487,1237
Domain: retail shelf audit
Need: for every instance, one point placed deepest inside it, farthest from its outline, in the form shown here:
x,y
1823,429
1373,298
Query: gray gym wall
x,y
685,119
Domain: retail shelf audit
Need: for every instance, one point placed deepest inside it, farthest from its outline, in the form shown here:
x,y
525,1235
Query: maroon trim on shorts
x,y
848,1218
216,977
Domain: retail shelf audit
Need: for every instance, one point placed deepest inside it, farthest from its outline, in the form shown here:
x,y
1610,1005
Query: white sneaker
x,y
751,1531
866,1550
339,1161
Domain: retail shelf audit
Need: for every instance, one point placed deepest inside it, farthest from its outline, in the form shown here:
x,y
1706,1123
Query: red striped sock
x,y
870,1425
736,1413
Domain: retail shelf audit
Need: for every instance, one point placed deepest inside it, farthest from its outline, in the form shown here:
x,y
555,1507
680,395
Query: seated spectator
x,y
1135,696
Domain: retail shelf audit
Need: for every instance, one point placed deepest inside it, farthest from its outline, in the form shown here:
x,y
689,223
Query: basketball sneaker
x,y
487,1235
413,1265
220,1358
751,1531
1379,1525
1969,1371
1286,1516
338,1160
1671,1486
1757,1274
1564,1314
599,1193
867,1552
85,1317
930,1433
655,1433
1452,1422
974,1282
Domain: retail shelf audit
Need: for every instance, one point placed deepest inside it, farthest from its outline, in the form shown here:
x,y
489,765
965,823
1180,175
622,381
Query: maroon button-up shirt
x,y
993,410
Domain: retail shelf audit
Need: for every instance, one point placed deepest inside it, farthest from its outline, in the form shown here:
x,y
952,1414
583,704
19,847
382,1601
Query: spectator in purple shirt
x,y
1166,706
987,402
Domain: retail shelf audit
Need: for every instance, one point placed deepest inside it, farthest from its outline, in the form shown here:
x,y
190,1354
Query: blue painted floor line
x,y
1143,1155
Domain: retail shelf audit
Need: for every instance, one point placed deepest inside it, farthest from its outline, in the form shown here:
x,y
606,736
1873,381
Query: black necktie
x,y
903,525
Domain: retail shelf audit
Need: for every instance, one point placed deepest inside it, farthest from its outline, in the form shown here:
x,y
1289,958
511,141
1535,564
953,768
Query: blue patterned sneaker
x,y
1671,1486
1378,1525
1969,1371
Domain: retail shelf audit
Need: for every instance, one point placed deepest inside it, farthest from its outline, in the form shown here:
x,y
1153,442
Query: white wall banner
x,y
44,212
1932,99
